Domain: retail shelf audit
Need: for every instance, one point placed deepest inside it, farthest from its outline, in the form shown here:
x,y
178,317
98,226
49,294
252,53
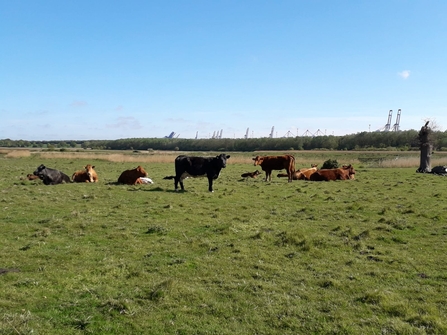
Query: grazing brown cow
x,y
88,175
130,177
344,173
301,174
251,174
269,163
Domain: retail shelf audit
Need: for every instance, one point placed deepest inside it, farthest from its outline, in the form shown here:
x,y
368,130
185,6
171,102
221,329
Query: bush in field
x,y
330,164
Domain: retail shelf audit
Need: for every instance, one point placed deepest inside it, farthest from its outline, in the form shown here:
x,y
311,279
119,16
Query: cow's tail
x,y
291,171
292,163
169,177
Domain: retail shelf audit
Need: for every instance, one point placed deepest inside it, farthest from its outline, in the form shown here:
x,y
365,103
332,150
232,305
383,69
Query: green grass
x,y
349,257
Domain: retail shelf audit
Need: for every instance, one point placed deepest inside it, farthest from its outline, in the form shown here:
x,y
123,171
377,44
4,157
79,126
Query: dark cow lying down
x,y
190,166
439,170
51,176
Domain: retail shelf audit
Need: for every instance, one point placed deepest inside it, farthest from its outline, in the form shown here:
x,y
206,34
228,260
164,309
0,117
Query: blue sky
x,y
77,70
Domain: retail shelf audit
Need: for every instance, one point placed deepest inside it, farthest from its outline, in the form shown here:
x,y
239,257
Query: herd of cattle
x,y
194,166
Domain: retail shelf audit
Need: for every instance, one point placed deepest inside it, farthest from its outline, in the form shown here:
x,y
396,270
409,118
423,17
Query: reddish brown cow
x,y
269,163
30,176
88,175
301,174
352,175
345,173
251,174
130,177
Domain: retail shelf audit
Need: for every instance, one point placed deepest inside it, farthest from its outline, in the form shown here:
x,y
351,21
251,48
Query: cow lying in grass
x,y
30,176
130,177
344,173
251,174
301,174
144,180
88,175
51,176
439,170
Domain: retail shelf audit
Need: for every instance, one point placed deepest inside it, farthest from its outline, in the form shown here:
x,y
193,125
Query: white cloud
x,y
404,74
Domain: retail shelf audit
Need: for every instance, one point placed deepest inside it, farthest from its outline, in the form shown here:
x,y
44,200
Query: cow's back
x,y
130,176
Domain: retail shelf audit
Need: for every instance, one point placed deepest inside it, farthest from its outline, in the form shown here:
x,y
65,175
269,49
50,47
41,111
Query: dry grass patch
x,y
407,162
17,153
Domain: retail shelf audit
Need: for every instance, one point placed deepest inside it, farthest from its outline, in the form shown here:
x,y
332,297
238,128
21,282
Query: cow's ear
x,y
93,167
228,156
254,158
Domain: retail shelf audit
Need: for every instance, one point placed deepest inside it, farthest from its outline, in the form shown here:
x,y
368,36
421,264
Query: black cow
x,y
440,170
51,176
190,166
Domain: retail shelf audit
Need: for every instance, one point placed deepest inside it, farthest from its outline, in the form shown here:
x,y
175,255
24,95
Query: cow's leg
x,y
176,181
210,183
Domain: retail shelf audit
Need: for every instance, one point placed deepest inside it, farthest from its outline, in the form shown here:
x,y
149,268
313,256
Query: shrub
x,y
330,164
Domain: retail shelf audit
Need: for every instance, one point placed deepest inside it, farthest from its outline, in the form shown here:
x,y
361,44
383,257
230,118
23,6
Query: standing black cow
x,y
51,176
190,166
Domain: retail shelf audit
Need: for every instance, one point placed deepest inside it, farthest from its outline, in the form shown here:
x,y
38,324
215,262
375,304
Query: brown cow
x,y
130,177
88,175
344,173
269,163
251,174
301,174
352,175
30,176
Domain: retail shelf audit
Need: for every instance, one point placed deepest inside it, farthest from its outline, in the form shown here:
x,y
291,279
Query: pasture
x,y
364,256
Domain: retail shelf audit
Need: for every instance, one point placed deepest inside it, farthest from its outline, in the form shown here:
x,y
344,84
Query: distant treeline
x,y
402,140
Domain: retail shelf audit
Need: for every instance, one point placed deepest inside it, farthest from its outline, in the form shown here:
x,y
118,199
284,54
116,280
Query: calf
x,y
30,176
345,173
251,174
130,177
88,175
144,180
191,166
269,163
51,176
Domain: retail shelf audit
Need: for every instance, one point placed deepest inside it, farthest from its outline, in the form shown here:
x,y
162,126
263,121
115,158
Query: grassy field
x,y
365,256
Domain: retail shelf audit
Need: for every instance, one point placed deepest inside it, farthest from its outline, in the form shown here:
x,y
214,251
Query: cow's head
x,y
140,172
350,170
258,160
89,170
220,161
40,171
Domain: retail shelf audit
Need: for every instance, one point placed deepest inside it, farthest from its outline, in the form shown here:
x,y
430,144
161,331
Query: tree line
x,y
401,140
